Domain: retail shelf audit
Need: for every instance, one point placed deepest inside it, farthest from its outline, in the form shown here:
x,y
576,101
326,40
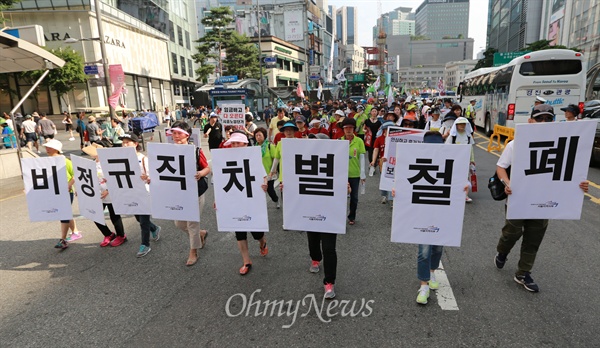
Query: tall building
x,y
455,72
511,28
573,24
400,21
438,19
347,25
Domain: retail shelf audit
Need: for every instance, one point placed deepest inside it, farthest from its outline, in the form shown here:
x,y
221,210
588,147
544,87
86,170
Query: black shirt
x,y
374,127
216,136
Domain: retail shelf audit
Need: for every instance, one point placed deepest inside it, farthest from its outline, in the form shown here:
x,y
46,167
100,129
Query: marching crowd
x,y
364,124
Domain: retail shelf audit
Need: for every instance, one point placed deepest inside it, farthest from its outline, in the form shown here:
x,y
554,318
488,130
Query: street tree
x,y
487,60
545,45
62,80
242,57
4,5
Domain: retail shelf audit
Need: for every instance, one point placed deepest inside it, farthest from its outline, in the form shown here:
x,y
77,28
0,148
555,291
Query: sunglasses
x,y
544,118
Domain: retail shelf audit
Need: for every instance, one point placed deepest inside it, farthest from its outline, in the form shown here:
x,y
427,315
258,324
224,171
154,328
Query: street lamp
x,y
104,59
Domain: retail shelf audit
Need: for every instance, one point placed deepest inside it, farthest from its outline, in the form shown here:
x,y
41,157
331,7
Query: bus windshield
x,y
550,67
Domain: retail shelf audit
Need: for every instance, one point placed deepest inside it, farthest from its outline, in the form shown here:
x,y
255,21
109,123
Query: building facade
x,y
455,72
438,19
428,52
130,42
573,24
420,77
514,24
346,22
352,57
400,21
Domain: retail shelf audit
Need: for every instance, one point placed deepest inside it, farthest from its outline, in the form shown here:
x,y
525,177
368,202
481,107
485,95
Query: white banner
x,y
87,187
293,25
315,185
550,160
396,135
240,201
174,193
46,188
123,172
429,205
233,115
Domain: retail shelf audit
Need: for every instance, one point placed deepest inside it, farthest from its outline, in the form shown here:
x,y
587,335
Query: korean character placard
x,y
87,186
123,172
174,190
46,188
550,160
233,115
429,205
240,201
315,177
396,135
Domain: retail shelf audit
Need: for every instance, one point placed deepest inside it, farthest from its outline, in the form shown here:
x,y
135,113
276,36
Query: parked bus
x,y
505,95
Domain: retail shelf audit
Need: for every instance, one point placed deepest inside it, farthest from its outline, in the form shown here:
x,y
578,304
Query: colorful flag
x,y
440,84
390,96
340,77
299,91
319,90
280,103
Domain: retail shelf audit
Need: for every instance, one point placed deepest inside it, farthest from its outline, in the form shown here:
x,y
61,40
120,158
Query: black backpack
x,y
454,139
497,187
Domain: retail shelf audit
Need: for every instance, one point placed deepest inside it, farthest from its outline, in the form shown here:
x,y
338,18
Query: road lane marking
x,y
445,295
593,199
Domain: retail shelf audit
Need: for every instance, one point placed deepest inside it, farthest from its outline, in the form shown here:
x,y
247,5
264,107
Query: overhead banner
x,y
550,160
233,115
396,135
293,25
315,185
122,171
46,188
174,193
238,176
87,187
429,205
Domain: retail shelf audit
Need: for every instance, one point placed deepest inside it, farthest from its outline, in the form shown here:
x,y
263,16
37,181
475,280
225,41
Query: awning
x,y
18,55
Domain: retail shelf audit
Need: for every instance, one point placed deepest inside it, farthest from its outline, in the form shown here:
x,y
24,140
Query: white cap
x,y
340,112
540,99
54,144
297,110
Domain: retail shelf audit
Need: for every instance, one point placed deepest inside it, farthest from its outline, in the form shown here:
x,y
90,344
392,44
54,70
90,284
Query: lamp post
x,y
104,58
260,59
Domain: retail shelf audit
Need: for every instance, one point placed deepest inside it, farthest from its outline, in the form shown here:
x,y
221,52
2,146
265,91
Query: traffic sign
x,y
315,69
90,69
315,77
226,79
501,58
270,60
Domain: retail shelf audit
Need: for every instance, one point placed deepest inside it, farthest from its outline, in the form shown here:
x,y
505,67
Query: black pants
x,y
116,221
326,241
244,235
271,191
354,184
370,153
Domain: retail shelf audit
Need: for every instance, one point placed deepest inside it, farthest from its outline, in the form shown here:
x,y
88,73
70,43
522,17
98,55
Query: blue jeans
x,y
147,226
387,194
428,258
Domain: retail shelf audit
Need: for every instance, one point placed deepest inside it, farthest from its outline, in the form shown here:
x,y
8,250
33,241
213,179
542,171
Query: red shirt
x,y
277,138
335,132
380,144
223,146
299,134
316,130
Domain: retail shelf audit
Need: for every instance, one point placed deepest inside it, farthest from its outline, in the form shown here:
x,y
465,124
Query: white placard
x,y
560,154
174,193
238,175
315,186
196,137
233,115
88,190
396,135
122,171
46,188
293,25
429,205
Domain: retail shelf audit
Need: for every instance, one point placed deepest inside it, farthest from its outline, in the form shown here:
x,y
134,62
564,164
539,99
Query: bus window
x,y
550,67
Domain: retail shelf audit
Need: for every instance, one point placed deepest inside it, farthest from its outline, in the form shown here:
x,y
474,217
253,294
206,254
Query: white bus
x,y
505,94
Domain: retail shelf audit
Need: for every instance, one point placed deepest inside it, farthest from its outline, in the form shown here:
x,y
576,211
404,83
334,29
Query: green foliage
x,y
419,38
242,57
487,60
545,45
4,5
370,76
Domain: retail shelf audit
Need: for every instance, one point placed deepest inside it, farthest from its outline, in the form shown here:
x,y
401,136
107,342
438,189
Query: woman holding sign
x,y
181,135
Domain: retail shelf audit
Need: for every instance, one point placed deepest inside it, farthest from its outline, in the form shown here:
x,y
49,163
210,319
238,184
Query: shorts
x,y
68,127
31,137
48,136
244,235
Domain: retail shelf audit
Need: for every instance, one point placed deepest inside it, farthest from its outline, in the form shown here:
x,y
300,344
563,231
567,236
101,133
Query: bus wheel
x,y
488,127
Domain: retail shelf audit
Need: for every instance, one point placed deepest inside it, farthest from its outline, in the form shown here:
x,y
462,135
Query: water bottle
x,y
362,188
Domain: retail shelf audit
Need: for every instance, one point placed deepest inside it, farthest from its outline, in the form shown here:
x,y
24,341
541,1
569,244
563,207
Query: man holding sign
x,y
532,229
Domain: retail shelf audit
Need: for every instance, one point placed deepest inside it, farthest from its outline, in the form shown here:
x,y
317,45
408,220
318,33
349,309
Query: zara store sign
x,y
108,39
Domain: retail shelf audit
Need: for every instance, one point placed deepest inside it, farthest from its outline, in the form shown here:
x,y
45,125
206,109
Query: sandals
x,y
245,269
264,250
351,222
203,238
190,262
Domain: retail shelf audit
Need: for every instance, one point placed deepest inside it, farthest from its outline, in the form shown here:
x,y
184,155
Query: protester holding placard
x,y
146,225
449,118
181,135
54,148
461,133
288,130
379,157
116,219
356,165
532,230
268,152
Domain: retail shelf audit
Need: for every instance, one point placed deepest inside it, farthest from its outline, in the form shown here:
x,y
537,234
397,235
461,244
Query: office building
x,y
439,19
455,72
400,21
346,22
512,27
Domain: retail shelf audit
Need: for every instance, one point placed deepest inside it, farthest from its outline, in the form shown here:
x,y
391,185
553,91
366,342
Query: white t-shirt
x,y
506,158
460,139
433,125
29,126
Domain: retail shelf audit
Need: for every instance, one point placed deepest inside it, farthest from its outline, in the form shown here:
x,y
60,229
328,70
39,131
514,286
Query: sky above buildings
x,y
367,18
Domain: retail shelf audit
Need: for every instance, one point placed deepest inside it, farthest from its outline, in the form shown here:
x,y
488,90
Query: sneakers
x,y
527,282
314,266
383,200
433,283
371,170
107,239
62,244
74,236
118,241
264,250
423,295
144,250
329,291
71,139
500,260
156,234
468,199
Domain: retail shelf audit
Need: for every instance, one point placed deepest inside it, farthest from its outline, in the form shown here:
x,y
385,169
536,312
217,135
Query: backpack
x,y
454,139
497,187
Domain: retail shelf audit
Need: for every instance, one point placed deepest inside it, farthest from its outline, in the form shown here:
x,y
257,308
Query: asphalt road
x,y
106,297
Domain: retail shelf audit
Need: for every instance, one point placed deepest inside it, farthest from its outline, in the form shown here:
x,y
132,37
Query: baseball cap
x,y
318,136
296,109
130,136
540,99
571,108
299,119
461,120
542,109
340,113
54,144
212,114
